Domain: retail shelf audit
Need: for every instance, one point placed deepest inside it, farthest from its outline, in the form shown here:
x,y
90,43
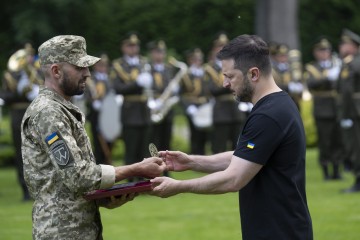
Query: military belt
x,y
21,105
136,98
332,93
196,100
227,97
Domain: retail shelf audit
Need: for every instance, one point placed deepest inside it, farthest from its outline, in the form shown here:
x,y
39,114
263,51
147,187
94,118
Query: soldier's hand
x,y
114,202
151,167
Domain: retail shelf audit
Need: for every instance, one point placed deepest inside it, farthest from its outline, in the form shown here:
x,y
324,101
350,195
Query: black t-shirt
x,y
273,204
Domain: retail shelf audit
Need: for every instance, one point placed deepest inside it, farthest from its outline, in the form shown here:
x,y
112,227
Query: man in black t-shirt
x,y
268,164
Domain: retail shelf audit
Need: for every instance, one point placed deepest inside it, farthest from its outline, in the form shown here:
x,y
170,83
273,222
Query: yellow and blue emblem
x,y
51,138
250,145
59,151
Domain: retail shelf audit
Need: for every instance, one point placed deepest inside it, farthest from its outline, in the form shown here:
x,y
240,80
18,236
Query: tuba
x,y
160,107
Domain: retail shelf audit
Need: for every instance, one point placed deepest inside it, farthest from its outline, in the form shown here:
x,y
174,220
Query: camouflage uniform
x,y
59,165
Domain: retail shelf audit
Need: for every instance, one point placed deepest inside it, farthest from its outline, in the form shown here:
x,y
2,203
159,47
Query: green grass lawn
x,y
335,216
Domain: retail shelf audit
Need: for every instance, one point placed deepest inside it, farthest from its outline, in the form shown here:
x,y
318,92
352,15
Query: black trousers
x,y
16,116
136,139
329,141
198,139
224,134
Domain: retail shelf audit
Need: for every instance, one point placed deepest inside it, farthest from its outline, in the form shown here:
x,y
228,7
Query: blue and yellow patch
x,y
59,151
250,145
52,138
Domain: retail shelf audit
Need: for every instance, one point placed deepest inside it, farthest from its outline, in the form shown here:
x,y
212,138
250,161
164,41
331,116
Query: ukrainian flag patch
x,y
51,138
250,145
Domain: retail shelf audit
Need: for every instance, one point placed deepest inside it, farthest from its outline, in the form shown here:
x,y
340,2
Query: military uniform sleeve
x,y
69,150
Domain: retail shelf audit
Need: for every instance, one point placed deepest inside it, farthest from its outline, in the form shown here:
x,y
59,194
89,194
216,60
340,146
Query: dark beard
x,y
247,91
69,89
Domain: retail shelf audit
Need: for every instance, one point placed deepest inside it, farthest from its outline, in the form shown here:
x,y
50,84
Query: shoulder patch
x,y
59,150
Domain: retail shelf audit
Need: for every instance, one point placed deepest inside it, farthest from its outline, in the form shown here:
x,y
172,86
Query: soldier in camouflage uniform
x,y
59,165
349,85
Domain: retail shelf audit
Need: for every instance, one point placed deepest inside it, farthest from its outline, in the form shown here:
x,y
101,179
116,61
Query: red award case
x,y
119,189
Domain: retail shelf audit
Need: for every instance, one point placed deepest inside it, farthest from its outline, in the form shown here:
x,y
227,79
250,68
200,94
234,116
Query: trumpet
x,y
160,107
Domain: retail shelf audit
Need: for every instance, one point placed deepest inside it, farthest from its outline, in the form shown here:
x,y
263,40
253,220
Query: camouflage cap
x,y
66,48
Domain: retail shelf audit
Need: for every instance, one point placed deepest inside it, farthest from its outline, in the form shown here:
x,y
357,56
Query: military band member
x,y
321,77
194,93
226,114
283,74
100,85
162,73
349,84
21,84
59,164
131,78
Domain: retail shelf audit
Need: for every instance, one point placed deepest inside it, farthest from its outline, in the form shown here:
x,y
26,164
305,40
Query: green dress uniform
x,y
324,93
20,87
59,167
135,114
227,117
350,109
194,93
161,132
349,87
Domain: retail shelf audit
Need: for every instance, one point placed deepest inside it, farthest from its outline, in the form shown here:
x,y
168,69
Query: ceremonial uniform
x,y
162,73
321,77
284,73
226,115
100,85
349,85
20,86
194,93
127,79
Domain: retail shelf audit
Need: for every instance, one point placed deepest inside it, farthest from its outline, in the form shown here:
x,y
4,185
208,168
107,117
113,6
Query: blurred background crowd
x,y
158,60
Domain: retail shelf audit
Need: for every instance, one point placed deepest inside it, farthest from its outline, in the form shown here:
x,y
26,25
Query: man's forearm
x,y
215,183
123,172
210,164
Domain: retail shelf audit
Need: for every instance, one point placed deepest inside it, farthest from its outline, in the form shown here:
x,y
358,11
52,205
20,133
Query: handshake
x,y
151,168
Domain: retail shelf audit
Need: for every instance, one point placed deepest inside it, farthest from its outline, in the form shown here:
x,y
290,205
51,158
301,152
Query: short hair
x,y
247,51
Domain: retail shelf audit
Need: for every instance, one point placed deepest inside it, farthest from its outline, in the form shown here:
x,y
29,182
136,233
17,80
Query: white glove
x,y
295,87
191,110
23,83
346,123
33,93
96,105
144,80
333,73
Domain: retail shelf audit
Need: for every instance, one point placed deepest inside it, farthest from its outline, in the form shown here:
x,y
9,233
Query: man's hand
x,y
112,202
175,160
164,187
151,167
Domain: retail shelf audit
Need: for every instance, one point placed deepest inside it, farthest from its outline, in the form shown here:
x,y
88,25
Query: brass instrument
x,y
18,60
162,105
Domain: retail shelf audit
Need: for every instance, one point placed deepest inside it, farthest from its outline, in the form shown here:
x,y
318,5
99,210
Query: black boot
x,y
325,172
336,172
355,188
